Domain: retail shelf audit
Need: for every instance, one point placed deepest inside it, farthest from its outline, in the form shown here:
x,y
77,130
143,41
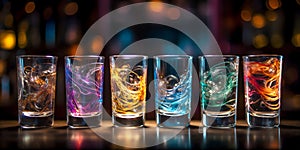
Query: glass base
x,y
172,121
36,122
219,122
84,122
128,122
264,122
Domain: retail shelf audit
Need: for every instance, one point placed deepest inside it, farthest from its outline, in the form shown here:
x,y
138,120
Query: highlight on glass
x,y
218,88
36,78
173,90
84,90
128,74
262,84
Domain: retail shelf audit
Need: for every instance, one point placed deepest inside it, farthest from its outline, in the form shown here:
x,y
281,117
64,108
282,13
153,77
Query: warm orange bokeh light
x,y
7,40
29,7
260,41
258,21
71,8
296,40
246,15
271,15
273,4
156,7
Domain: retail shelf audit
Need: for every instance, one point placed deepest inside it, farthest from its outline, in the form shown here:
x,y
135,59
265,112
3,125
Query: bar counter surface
x,y
287,136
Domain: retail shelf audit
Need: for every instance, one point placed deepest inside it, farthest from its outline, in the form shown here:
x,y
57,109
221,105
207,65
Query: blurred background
x,y
56,28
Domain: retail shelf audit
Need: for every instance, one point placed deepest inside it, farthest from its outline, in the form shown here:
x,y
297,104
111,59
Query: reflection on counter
x,y
145,137
133,138
76,139
218,137
27,139
12,136
264,138
182,140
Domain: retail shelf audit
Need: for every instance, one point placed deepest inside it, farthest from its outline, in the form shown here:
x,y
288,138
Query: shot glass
x,y
262,84
36,78
173,90
218,86
84,90
128,74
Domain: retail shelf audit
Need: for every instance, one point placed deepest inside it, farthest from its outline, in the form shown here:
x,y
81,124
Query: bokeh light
x,y
273,4
246,15
7,39
258,21
260,41
271,15
296,40
71,8
173,13
29,7
156,7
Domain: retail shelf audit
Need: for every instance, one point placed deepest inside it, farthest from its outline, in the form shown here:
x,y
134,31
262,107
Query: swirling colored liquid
x,y
128,89
173,96
262,87
84,86
37,89
219,87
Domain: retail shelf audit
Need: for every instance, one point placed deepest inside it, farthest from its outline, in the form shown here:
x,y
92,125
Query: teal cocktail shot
x,y
218,86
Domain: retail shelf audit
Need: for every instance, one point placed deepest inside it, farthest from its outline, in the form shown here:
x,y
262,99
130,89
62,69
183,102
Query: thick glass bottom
x,y
263,121
32,122
128,122
219,121
84,122
172,121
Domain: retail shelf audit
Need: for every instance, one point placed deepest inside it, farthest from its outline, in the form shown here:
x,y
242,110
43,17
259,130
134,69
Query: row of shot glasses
x,y
173,85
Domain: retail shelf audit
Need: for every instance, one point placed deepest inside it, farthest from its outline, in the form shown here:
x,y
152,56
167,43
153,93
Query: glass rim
x,y
36,56
84,56
219,56
128,56
262,55
171,56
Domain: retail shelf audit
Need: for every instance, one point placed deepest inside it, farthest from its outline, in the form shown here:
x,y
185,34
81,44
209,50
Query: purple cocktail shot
x,y
84,88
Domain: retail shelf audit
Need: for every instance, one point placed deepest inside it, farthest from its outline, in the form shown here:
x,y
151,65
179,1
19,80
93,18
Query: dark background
x,y
240,28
